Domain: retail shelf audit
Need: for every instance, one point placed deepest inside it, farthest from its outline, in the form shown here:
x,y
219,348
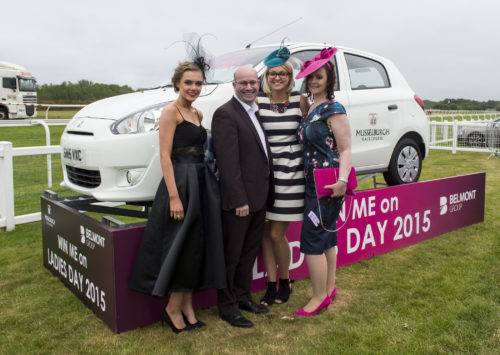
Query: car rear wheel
x,y
4,115
405,165
476,139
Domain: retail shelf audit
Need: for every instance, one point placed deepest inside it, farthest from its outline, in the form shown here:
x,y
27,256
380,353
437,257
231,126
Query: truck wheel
x,y
405,165
4,115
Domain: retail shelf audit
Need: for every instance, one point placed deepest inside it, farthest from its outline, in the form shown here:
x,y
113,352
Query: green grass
x,y
57,113
30,172
440,296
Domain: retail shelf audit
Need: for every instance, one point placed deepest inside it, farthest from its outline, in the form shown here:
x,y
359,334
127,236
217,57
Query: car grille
x,y
83,177
80,133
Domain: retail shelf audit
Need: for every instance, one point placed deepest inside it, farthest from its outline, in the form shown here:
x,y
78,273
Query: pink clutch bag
x,y
329,176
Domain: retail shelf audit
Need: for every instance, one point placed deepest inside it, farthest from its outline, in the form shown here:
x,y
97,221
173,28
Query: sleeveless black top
x,y
187,145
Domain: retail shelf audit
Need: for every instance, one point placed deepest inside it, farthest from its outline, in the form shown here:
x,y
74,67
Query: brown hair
x,y
330,83
180,70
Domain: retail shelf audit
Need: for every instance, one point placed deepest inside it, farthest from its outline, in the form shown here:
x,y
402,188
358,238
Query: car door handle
x,y
392,107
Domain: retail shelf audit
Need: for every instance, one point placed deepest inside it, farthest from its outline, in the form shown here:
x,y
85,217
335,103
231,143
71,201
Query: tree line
x,y
462,104
85,91
82,92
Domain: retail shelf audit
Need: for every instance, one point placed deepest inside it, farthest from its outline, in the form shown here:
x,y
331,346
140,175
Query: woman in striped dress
x,y
280,111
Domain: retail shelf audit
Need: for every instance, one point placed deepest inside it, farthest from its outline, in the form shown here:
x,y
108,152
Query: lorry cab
x,y
18,96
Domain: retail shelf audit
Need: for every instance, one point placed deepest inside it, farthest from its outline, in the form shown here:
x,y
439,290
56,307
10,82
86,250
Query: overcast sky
x,y
444,48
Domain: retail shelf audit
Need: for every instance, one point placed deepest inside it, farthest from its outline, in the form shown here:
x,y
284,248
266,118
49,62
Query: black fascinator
x,y
197,53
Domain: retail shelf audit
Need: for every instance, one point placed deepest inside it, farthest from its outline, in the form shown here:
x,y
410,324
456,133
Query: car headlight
x,y
143,121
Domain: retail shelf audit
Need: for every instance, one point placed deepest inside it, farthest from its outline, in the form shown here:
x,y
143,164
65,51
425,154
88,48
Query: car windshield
x,y
224,66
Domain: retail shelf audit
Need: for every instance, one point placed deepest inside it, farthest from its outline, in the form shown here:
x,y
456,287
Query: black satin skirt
x,y
183,256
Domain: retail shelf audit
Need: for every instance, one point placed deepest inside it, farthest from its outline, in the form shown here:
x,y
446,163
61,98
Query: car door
x,y
372,110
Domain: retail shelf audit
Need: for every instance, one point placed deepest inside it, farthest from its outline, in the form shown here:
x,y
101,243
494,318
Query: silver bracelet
x,y
343,179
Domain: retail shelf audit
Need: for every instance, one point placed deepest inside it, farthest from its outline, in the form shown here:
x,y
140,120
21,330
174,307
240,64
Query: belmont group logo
x,y
443,205
82,234
91,238
454,202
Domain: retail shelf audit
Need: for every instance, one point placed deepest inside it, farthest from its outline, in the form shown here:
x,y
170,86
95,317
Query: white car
x,y
110,147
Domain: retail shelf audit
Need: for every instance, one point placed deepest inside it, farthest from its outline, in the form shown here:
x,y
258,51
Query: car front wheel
x,y
405,165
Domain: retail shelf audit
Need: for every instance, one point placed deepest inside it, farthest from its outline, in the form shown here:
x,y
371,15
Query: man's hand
x,y
242,211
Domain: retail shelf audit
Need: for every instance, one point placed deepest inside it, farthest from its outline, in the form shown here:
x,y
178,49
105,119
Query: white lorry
x,y
18,97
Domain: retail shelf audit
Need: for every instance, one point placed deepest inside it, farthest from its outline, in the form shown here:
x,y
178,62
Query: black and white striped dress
x,y
280,129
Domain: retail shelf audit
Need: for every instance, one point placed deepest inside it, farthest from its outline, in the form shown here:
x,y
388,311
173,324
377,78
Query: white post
x,y
6,186
47,112
49,157
455,135
433,133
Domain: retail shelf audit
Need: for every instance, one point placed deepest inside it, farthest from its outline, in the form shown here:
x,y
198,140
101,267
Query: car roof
x,y
295,46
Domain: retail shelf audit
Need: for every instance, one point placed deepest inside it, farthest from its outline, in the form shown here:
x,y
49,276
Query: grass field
x,y
56,113
438,297
30,172
441,296
450,117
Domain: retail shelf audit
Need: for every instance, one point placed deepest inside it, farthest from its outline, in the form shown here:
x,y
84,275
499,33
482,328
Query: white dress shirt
x,y
251,110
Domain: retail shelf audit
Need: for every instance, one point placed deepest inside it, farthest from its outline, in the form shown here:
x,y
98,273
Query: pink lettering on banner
x,y
390,218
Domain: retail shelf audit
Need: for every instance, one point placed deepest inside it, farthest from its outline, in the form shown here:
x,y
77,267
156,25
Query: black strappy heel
x,y
284,291
270,295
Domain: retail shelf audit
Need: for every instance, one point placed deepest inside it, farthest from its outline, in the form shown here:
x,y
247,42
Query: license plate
x,y
73,156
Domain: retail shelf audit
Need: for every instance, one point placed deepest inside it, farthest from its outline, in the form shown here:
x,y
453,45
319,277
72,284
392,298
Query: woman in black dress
x,y
182,249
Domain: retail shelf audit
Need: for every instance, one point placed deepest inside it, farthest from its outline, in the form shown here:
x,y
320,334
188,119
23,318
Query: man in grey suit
x,y
245,167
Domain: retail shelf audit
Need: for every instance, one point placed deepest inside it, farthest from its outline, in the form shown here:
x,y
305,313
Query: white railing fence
x,y
7,206
12,176
456,135
468,136
447,115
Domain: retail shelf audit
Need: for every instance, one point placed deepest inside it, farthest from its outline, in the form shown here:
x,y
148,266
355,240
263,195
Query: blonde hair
x,y
291,83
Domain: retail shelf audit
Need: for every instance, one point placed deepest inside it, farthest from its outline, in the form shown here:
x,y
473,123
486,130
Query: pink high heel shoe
x,y
334,293
324,304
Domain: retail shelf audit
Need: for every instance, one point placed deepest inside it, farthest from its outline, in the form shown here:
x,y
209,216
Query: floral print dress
x,y
318,144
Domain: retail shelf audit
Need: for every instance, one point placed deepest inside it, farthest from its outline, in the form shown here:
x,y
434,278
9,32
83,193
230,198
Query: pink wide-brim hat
x,y
317,62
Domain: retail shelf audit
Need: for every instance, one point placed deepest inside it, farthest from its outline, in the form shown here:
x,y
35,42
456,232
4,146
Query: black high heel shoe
x,y
198,324
270,295
284,291
166,318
